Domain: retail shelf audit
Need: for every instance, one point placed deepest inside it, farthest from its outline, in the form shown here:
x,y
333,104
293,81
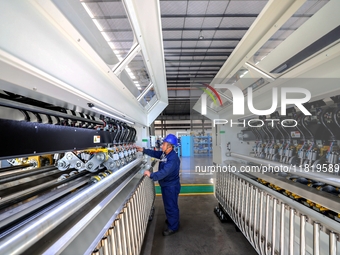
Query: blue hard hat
x,y
170,138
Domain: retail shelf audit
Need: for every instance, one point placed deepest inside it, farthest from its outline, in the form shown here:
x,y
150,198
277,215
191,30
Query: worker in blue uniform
x,y
168,179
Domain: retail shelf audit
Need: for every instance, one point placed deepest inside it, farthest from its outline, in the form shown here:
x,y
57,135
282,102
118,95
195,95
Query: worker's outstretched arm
x,y
152,153
164,171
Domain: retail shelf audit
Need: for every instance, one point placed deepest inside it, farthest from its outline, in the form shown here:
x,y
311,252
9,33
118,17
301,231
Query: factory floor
x,y
200,231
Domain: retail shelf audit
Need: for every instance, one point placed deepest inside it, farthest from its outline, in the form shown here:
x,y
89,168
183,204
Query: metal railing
x,y
273,223
126,234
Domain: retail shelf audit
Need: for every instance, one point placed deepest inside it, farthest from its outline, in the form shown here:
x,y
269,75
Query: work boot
x,y
168,232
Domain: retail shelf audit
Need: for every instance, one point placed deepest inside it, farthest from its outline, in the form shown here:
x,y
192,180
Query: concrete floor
x,y
189,171
200,231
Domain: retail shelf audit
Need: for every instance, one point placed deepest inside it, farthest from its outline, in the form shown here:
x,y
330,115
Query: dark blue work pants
x,y
170,201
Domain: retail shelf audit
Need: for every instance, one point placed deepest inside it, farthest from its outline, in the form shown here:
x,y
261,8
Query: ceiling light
x,y
260,72
88,10
111,45
201,37
96,22
243,74
106,37
109,114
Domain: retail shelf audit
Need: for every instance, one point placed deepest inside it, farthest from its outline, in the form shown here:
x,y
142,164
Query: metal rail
x,y
18,174
25,180
17,241
31,205
23,172
10,168
126,234
269,220
16,196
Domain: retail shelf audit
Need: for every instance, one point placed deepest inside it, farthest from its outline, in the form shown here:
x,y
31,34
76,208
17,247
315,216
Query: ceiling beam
x,y
204,39
186,75
185,29
208,54
201,60
198,48
239,15
166,16
171,16
192,70
205,29
213,39
172,81
178,66
180,72
192,29
185,79
187,39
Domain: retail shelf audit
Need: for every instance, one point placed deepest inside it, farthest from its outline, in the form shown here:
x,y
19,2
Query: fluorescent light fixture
x,y
243,74
111,45
96,22
88,10
260,60
106,36
136,82
146,90
260,72
120,58
109,114
117,52
130,73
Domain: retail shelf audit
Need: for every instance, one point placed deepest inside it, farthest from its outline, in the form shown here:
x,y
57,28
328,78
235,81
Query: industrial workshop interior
x,y
115,114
